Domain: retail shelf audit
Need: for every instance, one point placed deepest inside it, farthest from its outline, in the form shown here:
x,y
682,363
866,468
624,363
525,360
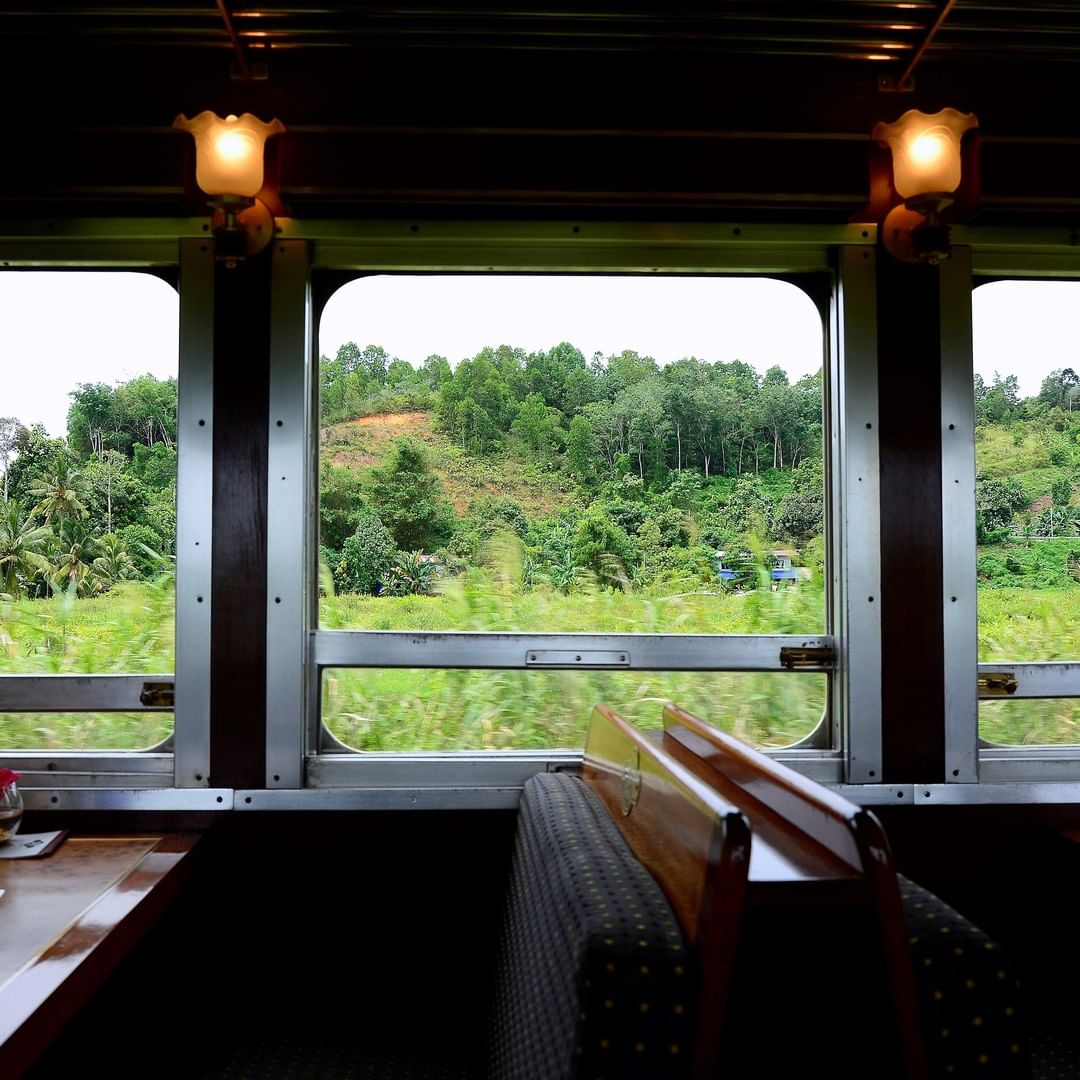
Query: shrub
x,y
366,557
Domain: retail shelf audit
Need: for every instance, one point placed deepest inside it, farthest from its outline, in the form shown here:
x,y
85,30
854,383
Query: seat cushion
x,y
594,975
968,995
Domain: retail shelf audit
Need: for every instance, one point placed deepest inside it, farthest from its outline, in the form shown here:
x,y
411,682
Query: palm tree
x,y
75,566
114,563
21,547
59,496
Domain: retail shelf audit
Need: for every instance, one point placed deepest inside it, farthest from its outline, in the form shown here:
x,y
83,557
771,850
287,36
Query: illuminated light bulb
x,y
926,151
229,152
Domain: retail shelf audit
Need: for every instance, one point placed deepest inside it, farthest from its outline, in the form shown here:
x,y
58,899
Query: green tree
x,y
366,556
409,498
341,503
59,496
537,426
11,434
603,547
581,450
107,470
22,548
75,563
114,562
92,420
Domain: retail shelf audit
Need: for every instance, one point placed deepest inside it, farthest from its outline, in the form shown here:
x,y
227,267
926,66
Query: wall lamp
x,y
229,168
932,169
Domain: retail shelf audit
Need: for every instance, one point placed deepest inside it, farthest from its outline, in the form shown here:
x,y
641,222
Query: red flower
x,y
7,776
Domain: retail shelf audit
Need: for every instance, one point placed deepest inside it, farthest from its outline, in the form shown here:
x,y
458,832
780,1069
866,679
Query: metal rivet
x,y
198,599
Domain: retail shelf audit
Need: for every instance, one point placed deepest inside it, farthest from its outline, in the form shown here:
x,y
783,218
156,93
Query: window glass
x,y
402,709
607,453
88,496
597,454
1027,456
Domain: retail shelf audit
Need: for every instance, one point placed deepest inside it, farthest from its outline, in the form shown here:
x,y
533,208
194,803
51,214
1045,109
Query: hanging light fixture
x,y
229,155
927,171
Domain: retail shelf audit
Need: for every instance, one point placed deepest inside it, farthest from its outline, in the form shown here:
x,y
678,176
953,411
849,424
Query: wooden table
x,y
67,921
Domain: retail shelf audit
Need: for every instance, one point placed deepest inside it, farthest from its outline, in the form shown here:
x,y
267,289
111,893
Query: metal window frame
x,y
173,775
720,250
1034,254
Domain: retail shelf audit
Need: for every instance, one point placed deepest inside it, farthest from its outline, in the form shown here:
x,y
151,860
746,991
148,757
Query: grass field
x,y
131,630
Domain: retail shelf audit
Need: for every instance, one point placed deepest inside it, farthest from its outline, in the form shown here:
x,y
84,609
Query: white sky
x,y
58,329
760,321
1027,329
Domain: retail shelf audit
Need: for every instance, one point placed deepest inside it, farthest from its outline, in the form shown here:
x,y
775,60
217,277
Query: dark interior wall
x,y
371,924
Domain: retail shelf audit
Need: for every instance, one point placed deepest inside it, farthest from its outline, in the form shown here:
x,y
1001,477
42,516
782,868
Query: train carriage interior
x,y
414,699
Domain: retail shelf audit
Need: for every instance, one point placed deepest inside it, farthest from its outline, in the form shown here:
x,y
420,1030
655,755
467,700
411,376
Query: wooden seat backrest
x,y
695,844
767,789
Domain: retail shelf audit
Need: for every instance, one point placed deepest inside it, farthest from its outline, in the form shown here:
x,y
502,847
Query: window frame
x,y
846,253
174,774
1047,255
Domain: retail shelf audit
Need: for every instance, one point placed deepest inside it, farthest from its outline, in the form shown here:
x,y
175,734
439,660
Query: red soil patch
x,y
391,420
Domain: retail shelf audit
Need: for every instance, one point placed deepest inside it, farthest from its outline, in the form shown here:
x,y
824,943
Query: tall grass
x,y
131,630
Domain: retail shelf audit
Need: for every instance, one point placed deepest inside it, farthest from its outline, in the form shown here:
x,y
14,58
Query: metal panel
x,y
1029,764
403,798
87,761
502,769
77,693
996,794
876,794
194,513
574,247
96,778
289,482
959,614
128,798
856,517
1052,679
94,242
483,650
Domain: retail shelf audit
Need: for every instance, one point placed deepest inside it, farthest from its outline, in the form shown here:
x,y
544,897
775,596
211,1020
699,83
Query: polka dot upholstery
x,y
594,978
968,995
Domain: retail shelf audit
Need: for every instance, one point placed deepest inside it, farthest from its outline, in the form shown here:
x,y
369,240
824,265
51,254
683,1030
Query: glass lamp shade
x,y
229,152
926,150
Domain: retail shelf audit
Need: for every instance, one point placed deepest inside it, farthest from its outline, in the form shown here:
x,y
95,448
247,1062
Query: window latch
x,y
158,695
997,684
820,656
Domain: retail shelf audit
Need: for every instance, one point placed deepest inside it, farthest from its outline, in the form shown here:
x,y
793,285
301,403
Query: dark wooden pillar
x,y
909,383
238,575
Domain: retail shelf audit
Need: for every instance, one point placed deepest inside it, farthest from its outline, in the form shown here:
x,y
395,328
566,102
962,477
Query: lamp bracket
x,y
242,227
912,237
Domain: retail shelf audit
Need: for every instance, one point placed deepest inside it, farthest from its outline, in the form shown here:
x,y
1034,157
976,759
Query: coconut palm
x,y
22,546
114,563
59,496
75,564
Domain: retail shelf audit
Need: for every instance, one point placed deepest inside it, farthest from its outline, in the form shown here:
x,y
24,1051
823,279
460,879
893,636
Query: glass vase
x,y
11,811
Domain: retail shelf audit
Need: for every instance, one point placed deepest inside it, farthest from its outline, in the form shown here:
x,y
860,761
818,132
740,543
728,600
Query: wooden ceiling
x,y
756,107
